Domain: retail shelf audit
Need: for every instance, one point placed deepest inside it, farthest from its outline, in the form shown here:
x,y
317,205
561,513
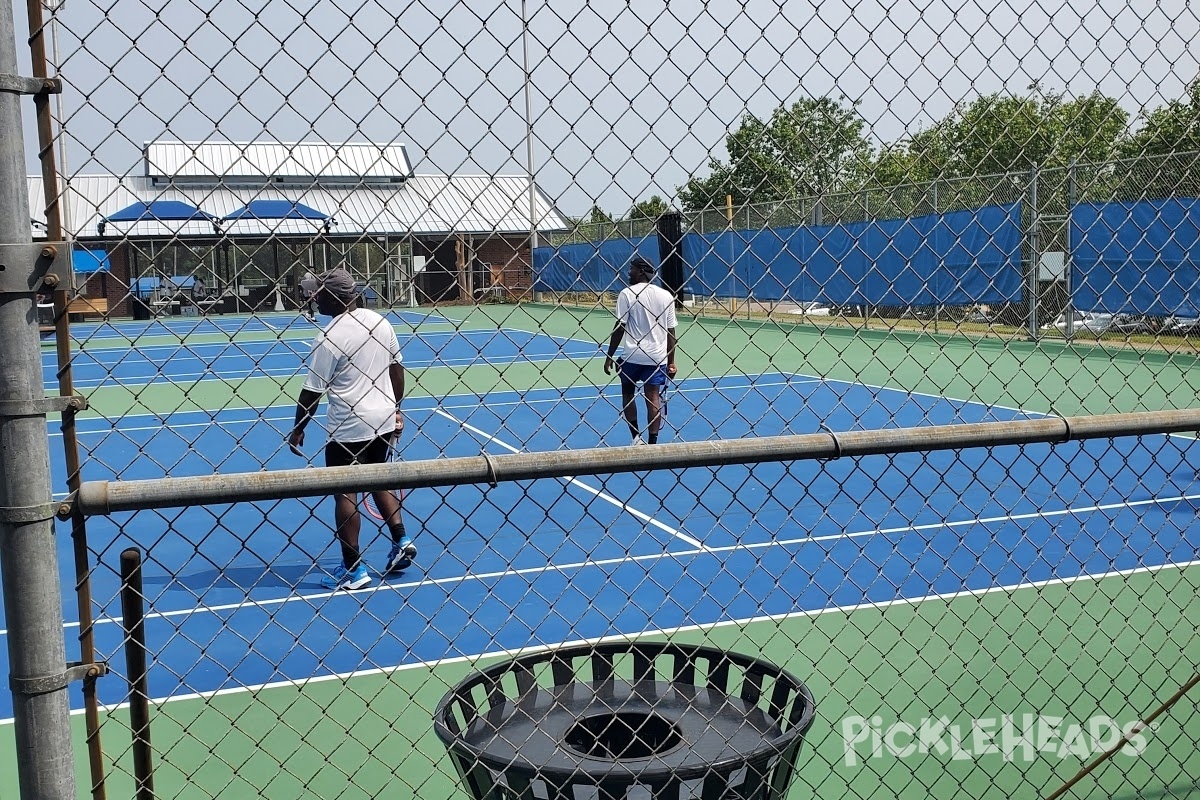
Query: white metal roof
x,y
349,162
421,205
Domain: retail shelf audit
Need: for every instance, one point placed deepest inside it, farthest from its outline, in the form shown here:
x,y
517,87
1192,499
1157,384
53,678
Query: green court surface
x,y
1064,661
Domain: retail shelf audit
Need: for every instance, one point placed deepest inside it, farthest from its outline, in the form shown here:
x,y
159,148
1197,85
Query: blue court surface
x,y
108,359
234,595
225,325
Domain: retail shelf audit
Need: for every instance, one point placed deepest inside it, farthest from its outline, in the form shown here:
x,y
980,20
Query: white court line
x,y
576,482
625,637
297,372
472,401
989,406
678,554
305,334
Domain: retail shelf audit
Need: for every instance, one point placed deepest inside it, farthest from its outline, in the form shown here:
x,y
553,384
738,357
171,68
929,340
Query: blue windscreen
x,y
1139,258
957,258
962,257
590,266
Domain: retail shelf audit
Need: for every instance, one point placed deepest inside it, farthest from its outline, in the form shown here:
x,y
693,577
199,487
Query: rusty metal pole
x,y
66,388
28,550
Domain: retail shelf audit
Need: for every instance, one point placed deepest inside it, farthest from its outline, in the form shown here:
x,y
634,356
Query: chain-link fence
x,y
919,515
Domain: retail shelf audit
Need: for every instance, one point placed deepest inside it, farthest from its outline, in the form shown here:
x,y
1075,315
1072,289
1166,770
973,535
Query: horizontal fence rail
x,y
108,497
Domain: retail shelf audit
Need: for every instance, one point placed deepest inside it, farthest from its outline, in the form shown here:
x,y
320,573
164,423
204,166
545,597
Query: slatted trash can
x,y
626,720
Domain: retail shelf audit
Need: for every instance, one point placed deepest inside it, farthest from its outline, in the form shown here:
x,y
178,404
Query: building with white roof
x,y
247,219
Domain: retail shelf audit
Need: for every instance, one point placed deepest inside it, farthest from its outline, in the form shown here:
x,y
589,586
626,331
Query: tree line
x,y
818,147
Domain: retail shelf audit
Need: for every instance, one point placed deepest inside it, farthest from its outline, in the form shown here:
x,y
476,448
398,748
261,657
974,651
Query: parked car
x,y
1087,323
1131,323
980,315
1180,326
812,310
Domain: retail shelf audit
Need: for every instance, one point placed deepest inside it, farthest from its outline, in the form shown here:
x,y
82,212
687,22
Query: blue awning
x,y
87,262
275,209
156,211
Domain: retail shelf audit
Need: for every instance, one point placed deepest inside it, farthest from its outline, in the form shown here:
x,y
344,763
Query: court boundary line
x,y
303,334
573,481
301,683
555,394
1015,409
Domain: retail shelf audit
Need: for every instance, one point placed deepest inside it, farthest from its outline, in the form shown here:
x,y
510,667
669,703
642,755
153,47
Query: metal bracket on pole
x,y
75,671
35,267
24,515
10,409
15,84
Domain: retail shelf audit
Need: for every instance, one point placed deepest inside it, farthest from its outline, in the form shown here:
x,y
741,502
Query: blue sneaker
x,y
349,580
401,556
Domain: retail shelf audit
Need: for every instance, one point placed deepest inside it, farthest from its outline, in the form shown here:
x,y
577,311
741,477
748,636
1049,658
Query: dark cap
x,y
339,283
642,264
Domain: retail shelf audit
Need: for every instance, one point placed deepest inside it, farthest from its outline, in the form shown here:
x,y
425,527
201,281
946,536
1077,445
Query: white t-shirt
x,y
647,312
350,361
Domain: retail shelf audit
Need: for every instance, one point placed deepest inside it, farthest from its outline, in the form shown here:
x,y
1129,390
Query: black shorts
x,y
344,454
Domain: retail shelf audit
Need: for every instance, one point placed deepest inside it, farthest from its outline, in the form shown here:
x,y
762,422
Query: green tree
x,y
643,216
1164,152
896,164
653,208
1087,129
598,216
997,134
1173,128
812,147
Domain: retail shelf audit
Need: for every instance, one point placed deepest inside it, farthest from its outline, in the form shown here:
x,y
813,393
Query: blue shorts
x,y
649,374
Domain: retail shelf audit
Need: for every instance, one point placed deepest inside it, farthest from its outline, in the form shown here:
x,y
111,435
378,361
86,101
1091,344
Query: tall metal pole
x,y
56,204
28,549
1035,257
533,218
54,7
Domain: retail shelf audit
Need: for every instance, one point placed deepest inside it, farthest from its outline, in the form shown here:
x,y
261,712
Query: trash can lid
x,y
657,709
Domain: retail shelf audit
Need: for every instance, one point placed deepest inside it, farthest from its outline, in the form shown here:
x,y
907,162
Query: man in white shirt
x,y
356,361
308,291
646,323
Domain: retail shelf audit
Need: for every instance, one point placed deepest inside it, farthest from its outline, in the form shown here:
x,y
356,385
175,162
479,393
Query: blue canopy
x,y
86,262
158,211
275,209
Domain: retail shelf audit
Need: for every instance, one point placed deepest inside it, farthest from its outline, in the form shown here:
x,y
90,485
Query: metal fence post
x,y
1035,254
28,557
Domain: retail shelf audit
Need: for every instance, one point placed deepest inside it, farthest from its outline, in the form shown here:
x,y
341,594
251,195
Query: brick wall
x,y
509,257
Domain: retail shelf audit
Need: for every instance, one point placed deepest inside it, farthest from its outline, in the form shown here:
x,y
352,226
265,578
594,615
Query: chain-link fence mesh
x,y
981,617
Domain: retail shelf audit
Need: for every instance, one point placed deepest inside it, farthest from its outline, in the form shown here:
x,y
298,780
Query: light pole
x,y
533,232
54,7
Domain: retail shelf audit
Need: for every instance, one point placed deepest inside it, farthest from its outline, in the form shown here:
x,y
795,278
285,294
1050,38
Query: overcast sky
x,y
629,99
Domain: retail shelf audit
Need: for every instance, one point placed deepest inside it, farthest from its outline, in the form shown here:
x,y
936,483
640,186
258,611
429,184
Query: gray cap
x,y
339,283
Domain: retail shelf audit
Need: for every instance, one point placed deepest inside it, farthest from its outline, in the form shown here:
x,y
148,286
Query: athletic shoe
x,y
401,556
637,440
349,580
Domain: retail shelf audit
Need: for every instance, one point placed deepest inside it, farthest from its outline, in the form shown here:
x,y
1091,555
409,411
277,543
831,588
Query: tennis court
x,y
902,588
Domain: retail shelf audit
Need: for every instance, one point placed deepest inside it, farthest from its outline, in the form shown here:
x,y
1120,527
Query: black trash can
x,y
627,719
141,310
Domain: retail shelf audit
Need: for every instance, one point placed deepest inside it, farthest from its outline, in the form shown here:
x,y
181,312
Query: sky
x,y
628,99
